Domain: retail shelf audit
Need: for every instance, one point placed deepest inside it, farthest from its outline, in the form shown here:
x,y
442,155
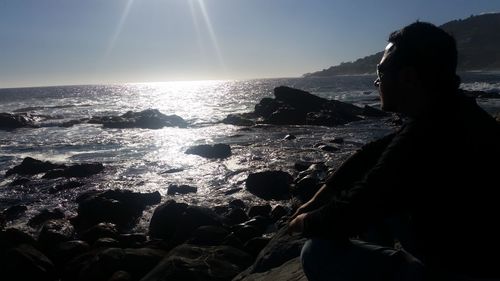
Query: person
x,y
434,181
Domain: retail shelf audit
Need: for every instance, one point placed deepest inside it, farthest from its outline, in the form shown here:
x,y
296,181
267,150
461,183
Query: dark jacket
x,y
443,172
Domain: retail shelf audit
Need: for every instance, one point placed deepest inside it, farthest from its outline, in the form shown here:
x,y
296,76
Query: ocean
x,y
141,159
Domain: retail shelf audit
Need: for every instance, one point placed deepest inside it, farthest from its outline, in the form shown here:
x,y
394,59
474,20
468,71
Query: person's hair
x,y
431,51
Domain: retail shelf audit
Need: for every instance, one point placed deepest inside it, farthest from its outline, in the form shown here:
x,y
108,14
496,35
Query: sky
x,y
68,42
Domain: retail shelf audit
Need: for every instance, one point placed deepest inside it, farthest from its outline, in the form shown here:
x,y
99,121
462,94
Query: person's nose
x,y
376,83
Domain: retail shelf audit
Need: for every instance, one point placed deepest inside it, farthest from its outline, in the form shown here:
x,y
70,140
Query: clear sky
x,y
61,42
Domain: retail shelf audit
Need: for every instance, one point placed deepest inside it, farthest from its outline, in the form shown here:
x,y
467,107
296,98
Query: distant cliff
x,y
478,43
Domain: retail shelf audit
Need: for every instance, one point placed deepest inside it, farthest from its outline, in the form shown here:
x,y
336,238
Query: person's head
x,y
418,68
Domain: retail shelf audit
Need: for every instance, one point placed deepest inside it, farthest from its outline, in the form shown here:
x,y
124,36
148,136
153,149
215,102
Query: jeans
x,y
358,260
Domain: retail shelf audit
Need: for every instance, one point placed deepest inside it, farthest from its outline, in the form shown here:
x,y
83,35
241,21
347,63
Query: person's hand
x,y
297,224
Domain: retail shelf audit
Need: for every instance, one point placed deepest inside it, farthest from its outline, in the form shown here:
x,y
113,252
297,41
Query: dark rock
x,y
247,232
330,118
102,264
238,203
14,212
19,181
287,115
54,232
269,184
76,170
98,231
236,216
290,271
120,275
336,140
278,212
173,170
45,215
208,235
132,240
373,112
306,187
105,242
302,166
328,148
255,245
121,207
12,237
238,120
266,107
260,210
10,121
181,189
31,166
259,222
298,98
24,262
289,137
232,191
481,94
65,251
210,151
146,119
65,186
282,248
194,263
174,221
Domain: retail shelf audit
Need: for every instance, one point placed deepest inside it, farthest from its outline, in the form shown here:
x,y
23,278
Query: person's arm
x,y
381,192
347,174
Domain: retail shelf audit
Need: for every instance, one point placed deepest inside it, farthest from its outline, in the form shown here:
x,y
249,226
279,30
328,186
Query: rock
x,y
298,99
121,207
10,121
181,189
328,148
238,203
20,181
289,137
45,215
210,151
66,251
306,187
120,275
236,216
14,212
12,237
255,245
287,115
269,184
54,232
208,235
31,166
24,262
174,221
336,140
65,186
282,248
132,240
289,271
194,263
373,112
260,210
102,264
330,118
247,232
76,170
101,230
106,242
266,107
278,212
238,120
146,119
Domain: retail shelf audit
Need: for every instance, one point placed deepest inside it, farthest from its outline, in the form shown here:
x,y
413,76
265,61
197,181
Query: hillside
x,y
478,43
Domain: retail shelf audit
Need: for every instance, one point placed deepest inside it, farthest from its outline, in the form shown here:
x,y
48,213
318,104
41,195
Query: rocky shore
x,y
234,241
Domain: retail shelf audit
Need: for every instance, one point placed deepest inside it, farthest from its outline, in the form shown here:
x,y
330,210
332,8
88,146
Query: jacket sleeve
x,y
380,193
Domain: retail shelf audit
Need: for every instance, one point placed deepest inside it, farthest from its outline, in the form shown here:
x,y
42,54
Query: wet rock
x,y
65,186
208,235
20,181
278,212
260,210
174,221
329,118
106,242
24,262
146,119
121,207
306,187
12,237
76,170
247,232
66,251
289,137
328,148
336,140
45,215
210,151
302,166
189,262
269,184
14,212
259,222
132,240
10,121
54,232
238,120
181,189
238,203
31,166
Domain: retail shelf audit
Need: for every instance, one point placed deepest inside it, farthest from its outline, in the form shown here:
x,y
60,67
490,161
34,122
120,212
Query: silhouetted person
x,y
437,178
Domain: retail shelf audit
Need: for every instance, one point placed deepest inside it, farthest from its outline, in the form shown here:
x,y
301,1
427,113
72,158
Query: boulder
x,y
14,212
45,215
181,189
210,151
76,170
121,207
195,263
208,235
260,210
269,184
238,120
236,216
24,262
54,232
98,231
146,119
10,121
289,271
31,166
174,221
